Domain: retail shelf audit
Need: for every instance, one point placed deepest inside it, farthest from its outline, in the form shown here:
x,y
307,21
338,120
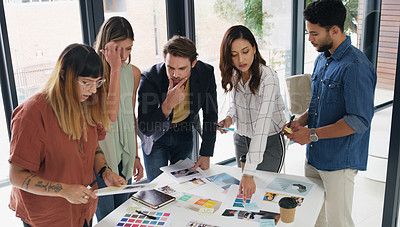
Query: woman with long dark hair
x,y
256,107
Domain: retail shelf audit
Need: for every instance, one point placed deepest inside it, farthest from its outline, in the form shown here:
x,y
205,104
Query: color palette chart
x,y
143,220
239,201
203,206
196,203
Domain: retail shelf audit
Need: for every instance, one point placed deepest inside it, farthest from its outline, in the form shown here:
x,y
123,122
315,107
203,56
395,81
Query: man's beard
x,y
325,46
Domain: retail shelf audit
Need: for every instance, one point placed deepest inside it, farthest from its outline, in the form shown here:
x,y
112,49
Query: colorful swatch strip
x,y
140,220
239,201
198,201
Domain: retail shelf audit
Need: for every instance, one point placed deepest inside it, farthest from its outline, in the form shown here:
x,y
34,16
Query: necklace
x,y
79,144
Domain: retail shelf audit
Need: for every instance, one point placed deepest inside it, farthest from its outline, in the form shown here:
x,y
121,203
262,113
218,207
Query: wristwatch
x,y
313,135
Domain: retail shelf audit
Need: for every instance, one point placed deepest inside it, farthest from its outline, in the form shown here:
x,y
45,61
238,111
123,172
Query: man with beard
x,y
340,112
170,97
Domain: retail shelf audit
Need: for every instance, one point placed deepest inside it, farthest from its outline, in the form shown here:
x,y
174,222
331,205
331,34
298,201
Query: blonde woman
x,y
54,146
114,45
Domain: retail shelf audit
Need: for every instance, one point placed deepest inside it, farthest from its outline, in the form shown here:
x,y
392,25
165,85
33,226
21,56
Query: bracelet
x,y
102,171
137,157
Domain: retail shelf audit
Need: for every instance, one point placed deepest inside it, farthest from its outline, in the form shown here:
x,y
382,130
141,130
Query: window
x,y
4,142
272,29
37,34
148,20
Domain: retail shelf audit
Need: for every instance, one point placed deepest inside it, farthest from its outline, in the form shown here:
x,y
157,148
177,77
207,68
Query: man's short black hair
x,y
326,13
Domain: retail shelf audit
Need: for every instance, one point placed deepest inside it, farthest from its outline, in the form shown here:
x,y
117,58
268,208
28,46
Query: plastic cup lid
x,y
288,202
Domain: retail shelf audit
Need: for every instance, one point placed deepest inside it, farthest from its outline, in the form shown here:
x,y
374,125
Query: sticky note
x,y
206,211
209,204
251,206
267,222
288,130
112,188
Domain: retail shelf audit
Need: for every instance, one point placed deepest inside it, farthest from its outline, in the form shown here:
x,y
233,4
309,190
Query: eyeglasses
x,y
97,83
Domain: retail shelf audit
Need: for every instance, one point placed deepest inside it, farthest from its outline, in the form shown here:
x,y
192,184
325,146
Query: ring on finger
x,y
86,197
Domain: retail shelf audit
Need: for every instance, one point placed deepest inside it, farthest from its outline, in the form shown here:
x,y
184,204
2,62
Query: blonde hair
x,y
114,29
63,96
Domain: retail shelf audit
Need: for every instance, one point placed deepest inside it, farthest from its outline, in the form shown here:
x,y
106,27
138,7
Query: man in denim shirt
x,y
340,112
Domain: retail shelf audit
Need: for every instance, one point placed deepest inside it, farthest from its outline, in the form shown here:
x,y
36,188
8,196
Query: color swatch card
x,y
290,186
143,218
236,200
195,203
240,201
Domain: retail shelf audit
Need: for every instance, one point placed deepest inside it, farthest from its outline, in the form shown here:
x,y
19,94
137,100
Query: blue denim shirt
x,y
343,86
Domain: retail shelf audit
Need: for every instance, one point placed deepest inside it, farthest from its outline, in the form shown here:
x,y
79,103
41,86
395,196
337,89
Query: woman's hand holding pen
x,y
226,123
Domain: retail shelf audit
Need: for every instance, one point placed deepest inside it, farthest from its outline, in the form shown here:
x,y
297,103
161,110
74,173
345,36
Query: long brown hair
x,y
226,64
62,93
114,29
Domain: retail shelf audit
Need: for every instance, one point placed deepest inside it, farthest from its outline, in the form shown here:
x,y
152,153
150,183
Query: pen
x,y
291,120
149,216
91,184
230,129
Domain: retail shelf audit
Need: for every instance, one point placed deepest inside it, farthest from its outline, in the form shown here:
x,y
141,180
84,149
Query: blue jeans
x,y
173,146
108,203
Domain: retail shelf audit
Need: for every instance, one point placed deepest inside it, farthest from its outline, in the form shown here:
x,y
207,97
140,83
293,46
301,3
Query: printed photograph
x,y
184,173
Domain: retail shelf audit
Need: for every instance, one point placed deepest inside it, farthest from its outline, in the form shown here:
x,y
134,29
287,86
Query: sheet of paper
x,y
124,189
223,180
181,171
290,186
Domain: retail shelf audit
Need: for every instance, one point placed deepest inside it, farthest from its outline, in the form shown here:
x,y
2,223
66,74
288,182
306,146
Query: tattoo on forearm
x,y
104,160
27,180
41,185
49,186
55,187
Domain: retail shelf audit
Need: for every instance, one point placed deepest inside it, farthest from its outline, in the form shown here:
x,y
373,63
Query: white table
x,y
306,215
